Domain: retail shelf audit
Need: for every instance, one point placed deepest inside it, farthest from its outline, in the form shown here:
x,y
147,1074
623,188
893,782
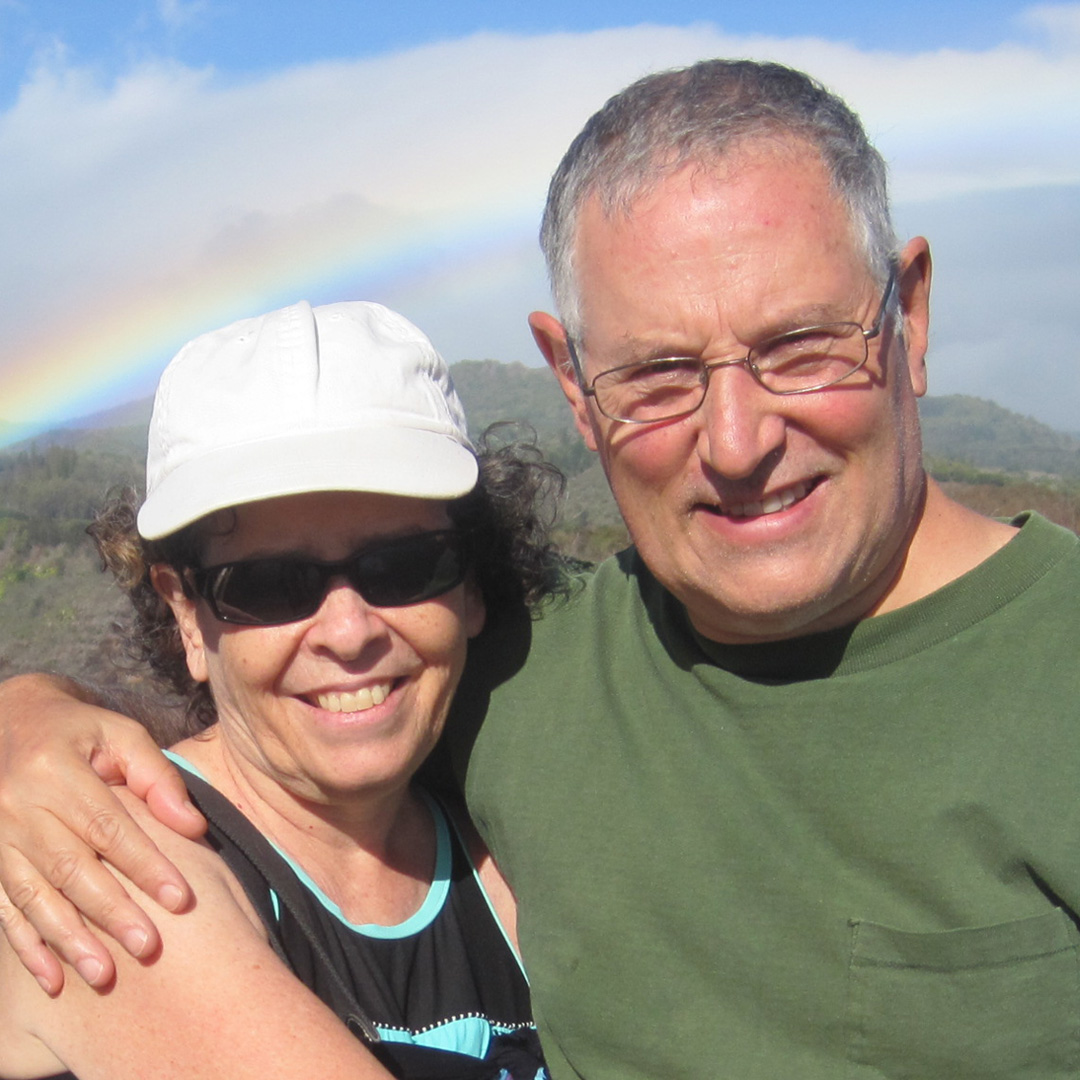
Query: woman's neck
x,y
372,852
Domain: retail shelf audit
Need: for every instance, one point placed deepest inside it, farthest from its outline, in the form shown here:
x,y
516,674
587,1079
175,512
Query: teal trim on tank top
x,y
422,917
469,1035
487,900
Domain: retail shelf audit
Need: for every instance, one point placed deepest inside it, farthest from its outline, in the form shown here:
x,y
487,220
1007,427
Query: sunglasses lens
x,y
268,591
410,570
272,592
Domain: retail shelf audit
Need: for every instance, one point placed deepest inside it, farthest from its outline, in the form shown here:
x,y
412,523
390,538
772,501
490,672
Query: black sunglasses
x,y
287,588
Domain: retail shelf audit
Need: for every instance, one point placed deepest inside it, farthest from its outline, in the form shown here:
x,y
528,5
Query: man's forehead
x,y
624,198
768,209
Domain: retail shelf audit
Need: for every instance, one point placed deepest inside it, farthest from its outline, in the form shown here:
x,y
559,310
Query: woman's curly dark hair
x,y
152,635
507,517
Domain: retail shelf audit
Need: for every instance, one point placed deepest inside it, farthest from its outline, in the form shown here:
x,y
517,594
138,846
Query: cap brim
x,y
409,462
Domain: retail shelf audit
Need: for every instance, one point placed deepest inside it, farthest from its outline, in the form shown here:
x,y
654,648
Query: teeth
x,y
779,500
356,701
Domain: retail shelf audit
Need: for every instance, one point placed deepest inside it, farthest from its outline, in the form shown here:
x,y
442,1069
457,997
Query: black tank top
x,y
442,996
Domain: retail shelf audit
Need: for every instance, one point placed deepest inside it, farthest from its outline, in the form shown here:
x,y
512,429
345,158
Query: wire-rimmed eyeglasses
x,y
796,362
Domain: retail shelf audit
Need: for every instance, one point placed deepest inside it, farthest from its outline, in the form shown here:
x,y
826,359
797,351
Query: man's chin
x,y
760,614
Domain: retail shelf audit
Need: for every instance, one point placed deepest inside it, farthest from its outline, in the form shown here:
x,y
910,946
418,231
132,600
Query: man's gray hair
x,y
671,119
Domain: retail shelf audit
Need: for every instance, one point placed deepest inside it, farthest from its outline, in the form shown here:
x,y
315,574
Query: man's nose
x,y
741,423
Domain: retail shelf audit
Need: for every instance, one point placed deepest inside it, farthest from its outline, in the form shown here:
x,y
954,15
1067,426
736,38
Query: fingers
x,y
66,878
159,784
65,857
39,922
108,828
32,952
56,751
57,815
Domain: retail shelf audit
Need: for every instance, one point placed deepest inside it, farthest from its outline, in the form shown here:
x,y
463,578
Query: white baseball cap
x,y
345,397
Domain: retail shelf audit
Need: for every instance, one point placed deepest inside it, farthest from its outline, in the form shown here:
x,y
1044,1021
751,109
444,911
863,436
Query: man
x,y
787,790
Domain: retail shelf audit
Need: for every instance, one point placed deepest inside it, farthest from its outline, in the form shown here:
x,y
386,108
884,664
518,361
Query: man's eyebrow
x,y
811,315
638,351
628,353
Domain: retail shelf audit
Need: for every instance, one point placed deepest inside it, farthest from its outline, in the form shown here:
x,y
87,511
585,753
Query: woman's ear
x,y
169,585
475,608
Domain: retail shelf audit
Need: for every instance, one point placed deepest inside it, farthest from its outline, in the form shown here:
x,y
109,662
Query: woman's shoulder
x,y
210,878
213,1001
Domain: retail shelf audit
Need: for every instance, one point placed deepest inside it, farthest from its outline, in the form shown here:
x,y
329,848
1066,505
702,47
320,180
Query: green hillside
x,y
492,392
983,434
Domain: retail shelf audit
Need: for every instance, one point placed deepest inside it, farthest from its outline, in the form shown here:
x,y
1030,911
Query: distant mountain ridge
x,y
129,414
956,427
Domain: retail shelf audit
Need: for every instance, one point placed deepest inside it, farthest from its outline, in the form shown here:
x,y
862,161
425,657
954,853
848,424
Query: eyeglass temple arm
x,y
579,373
886,296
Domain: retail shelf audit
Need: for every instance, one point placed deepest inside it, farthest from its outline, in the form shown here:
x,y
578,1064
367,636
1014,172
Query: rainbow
x,y
114,351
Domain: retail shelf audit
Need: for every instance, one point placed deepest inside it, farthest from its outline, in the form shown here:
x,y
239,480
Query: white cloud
x,y
1058,23
168,175
176,14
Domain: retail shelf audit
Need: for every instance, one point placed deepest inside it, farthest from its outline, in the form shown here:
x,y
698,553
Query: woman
x,y
303,571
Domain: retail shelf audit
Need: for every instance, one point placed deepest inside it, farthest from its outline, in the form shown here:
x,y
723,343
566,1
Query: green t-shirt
x,y
855,854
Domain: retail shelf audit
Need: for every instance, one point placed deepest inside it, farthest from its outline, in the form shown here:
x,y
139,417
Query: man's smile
x,y
772,503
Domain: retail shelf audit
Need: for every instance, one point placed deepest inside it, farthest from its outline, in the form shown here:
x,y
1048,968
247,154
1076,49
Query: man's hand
x,y
58,751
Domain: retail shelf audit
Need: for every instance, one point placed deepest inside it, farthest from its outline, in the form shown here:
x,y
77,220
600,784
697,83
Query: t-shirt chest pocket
x,y
973,1004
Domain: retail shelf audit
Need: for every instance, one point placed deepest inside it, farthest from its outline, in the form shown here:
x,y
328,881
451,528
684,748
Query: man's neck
x,y
948,541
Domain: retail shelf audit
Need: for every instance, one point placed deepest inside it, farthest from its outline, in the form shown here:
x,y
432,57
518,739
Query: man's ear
x,y
170,587
913,283
550,338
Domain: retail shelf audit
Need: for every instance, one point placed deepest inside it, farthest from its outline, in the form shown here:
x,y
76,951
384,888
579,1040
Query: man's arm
x,y
58,752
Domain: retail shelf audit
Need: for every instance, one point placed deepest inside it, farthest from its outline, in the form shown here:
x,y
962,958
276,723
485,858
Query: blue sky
x,y
169,165
249,37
